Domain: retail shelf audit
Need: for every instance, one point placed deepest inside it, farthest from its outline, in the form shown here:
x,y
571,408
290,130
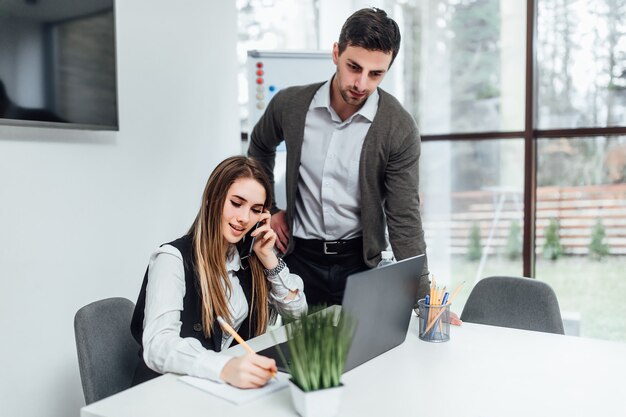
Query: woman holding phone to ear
x,y
193,280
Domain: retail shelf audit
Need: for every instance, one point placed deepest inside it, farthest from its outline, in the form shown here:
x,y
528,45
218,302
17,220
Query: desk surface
x,y
482,371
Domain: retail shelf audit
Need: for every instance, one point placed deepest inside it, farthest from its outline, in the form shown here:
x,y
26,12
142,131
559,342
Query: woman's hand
x,y
249,371
265,238
264,249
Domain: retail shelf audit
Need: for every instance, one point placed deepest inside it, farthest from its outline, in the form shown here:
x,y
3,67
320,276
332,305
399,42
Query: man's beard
x,y
347,97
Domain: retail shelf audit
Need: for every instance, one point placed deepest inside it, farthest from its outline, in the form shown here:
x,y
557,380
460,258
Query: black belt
x,y
331,247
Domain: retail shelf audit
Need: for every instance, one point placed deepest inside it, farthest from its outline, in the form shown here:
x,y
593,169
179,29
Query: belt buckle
x,y
328,252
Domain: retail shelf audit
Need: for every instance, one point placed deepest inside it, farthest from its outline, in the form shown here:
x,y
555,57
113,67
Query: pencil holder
x,y
434,322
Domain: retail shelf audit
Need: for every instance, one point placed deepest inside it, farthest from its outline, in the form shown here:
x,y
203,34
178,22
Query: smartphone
x,y
247,242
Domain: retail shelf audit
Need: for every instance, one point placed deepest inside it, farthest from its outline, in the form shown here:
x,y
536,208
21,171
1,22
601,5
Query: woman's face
x,y
242,209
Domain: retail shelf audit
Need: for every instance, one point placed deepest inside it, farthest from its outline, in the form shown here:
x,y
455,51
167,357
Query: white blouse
x,y
164,350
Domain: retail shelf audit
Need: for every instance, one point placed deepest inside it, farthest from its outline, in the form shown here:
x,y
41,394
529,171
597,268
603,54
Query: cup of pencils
x,y
434,313
434,320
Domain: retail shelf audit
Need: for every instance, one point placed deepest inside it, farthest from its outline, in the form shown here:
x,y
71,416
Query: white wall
x,y
81,211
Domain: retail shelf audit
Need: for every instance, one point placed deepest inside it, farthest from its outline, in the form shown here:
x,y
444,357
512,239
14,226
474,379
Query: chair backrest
x,y
107,352
521,303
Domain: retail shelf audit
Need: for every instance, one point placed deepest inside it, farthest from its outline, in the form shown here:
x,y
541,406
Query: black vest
x,y
191,316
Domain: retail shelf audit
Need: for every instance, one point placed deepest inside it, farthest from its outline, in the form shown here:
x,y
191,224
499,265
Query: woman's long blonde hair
x,y
209,249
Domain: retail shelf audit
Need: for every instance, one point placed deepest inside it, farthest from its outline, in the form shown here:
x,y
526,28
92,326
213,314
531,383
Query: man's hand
x,y
454,319
279,225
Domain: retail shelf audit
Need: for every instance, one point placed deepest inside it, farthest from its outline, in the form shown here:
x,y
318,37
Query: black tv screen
x,y
57,63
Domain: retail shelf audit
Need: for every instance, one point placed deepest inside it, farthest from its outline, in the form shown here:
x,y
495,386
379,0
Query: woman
x,y
193,280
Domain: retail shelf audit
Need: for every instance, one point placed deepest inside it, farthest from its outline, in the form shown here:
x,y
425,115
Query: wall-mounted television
x,y
58,64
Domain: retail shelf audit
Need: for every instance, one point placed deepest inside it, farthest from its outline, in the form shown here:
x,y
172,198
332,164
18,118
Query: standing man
x,y
352,164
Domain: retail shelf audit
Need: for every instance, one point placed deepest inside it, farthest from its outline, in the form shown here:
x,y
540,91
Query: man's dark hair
x,y
372,29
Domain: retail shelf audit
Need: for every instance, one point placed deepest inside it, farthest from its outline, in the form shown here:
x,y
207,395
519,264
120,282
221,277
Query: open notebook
x,y
233,394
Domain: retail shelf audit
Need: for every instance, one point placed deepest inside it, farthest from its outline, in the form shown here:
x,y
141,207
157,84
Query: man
x,y
352,164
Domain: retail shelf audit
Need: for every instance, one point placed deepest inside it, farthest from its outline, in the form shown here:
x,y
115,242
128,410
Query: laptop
x,y
381,300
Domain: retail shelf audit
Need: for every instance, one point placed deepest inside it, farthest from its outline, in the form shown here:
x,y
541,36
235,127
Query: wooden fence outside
x,y
576,208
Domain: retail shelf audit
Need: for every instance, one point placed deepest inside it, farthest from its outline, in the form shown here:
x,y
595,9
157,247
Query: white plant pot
x,y
320,403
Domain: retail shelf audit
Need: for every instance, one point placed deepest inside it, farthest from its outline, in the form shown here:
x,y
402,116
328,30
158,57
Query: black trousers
x,y
324,275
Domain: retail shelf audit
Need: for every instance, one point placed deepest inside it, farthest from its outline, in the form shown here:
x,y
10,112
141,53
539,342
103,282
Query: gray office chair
x,y
520,303
107,352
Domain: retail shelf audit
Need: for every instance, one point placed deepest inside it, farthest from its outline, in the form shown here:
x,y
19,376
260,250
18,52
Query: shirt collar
x,y
370,107
233,262
322,100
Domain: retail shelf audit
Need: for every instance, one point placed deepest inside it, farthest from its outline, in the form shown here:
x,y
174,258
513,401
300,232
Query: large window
x,y
581,172
523,166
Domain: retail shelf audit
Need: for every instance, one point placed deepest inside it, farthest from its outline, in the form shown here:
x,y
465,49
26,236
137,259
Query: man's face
x,y
359,71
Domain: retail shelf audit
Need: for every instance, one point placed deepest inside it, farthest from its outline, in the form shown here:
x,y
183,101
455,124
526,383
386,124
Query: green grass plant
x,y
319,348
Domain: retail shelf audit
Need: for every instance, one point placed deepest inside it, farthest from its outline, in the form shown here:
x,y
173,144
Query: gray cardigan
x,y
388,171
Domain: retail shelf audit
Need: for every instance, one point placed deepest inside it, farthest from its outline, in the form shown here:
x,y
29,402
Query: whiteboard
x,y
270,71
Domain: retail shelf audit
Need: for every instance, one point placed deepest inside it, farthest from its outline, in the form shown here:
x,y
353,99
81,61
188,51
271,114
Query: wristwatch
x,y
276,270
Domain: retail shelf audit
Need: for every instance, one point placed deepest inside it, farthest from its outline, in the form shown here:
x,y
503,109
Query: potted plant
x,y
318,346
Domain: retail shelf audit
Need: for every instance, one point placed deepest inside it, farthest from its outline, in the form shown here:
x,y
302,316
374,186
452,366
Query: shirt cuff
x,y
210,364
288,280
284,282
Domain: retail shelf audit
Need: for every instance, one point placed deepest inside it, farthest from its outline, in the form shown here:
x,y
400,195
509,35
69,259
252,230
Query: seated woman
x,y
193,280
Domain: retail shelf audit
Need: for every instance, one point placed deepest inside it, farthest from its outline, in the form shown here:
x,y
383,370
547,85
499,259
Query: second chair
x,y
107,352
521,303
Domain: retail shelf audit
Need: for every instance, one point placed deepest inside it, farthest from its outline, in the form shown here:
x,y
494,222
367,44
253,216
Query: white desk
x,y
482,371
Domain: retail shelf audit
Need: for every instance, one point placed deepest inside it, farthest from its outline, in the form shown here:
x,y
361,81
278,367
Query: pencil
x,y
433,299
450,300
236,336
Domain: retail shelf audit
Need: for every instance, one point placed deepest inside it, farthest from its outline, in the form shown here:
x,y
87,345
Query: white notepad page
x,y
233,394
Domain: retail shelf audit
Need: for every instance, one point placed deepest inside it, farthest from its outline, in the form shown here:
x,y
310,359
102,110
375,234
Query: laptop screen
x,y
381,301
